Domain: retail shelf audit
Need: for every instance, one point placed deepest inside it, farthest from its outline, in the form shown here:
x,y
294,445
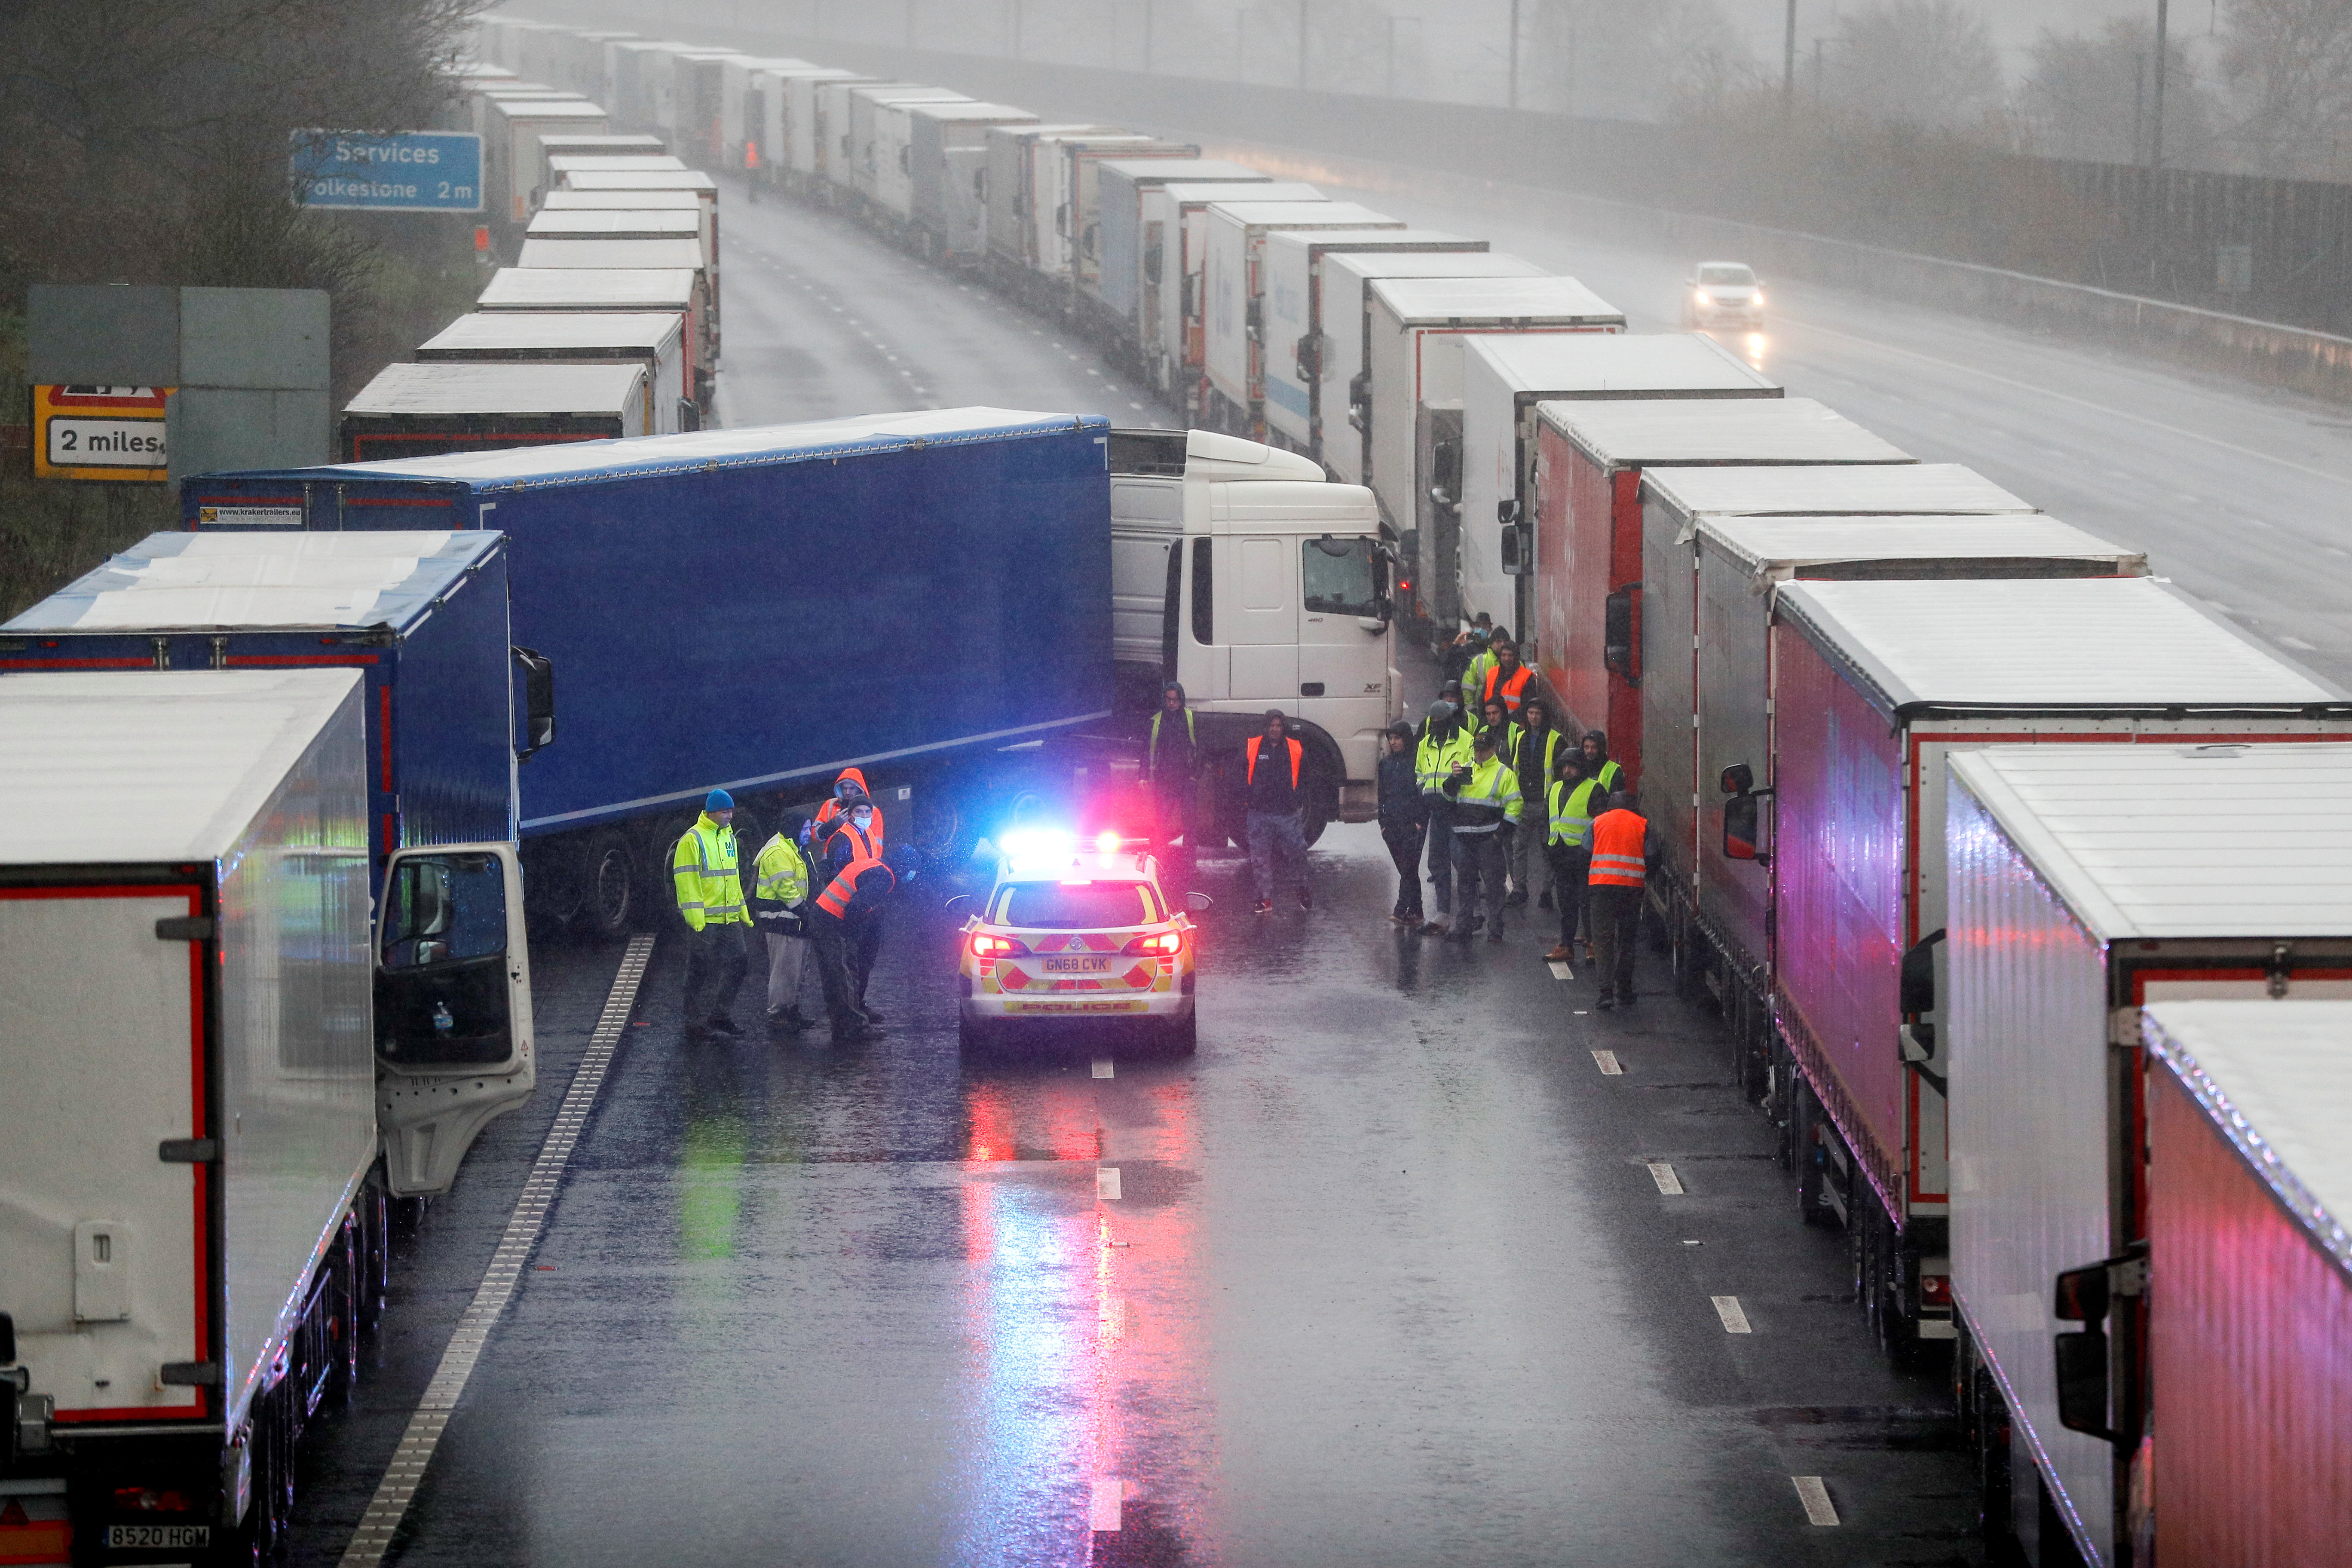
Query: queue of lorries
x,y
2017,873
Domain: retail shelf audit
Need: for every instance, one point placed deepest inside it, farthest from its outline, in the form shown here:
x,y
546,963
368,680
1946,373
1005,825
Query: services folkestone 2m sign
x,y
403,171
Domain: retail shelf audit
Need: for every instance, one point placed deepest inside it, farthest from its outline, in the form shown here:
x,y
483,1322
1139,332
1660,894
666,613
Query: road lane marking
x,y
1664,1174
1103,1507
1559,969
409,1460
1107,1184
1103,1067
1607,1062
1735,1321
1818,1509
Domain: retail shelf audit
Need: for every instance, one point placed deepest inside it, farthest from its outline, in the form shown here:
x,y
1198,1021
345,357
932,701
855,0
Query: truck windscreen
x,y
1339,578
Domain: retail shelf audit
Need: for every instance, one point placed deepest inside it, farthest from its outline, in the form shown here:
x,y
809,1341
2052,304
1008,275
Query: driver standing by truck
x,y
1171,764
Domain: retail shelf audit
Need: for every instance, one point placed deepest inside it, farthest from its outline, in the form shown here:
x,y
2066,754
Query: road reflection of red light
x,y
988,1123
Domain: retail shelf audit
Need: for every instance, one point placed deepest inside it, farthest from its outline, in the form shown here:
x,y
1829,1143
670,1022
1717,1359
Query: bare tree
x,y
2288,64
1926,63
1605,59
2092,95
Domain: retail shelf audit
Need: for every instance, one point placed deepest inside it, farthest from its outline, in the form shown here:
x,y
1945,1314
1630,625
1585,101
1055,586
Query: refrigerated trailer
x,y
1177,212
1873,686
1077,192
2249,1204
190,1233
812,143
422,410
2196,900
652,339
1411,394
449,708
1293,343
1132,253
586,145
947,175
1233,296
513,168
780,154
1502,379
859,178
626,290
1591,458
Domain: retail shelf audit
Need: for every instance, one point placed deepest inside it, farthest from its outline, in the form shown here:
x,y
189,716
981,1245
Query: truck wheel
x,y
551,886
610,906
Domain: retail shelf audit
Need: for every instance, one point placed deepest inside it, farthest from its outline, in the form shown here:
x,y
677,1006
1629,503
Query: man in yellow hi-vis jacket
x,y
718,923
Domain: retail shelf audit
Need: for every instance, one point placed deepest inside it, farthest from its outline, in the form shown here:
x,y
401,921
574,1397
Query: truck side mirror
x,y
1191,294
2083,1383
1253,320
538,702
1360,401
1742,829
1308,355
1151,265
1738,779
1917,990
1514,551
1507,512
1617,635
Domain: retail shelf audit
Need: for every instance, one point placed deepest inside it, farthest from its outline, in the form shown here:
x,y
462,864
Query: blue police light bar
x,y
403,171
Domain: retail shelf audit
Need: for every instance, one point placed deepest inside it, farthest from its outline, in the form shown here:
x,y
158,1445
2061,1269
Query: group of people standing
x,y
841,854
1510,811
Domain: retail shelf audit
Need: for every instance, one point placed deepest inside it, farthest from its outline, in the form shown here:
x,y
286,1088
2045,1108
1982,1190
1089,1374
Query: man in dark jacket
x,y
1609,776
1537,757
1404,821
1272,776
857,884
1624,855
1171,767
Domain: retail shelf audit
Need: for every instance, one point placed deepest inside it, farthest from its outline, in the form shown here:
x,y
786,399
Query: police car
x,y
1075,933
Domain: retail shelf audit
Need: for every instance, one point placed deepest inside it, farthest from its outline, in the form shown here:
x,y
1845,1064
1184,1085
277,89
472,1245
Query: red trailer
x,y
1872,685
1589,459
2249,1304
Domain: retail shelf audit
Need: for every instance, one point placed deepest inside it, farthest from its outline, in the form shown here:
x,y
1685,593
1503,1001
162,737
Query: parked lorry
x,y
191,1238
633,291
1410,396
1132,253
998,526
1504,378
1875,685
2247,1208
1591,458
814,133
586,145
512,164
1232,302
1076,263
779,151
449,710
1175,342
947,175
422,410
654,340
1293,343
2102,1010
867,106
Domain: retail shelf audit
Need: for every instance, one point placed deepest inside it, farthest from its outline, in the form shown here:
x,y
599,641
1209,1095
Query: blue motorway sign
x,y
405,171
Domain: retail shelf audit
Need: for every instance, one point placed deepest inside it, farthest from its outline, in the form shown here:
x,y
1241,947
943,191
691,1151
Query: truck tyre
x,y
553,889
611,906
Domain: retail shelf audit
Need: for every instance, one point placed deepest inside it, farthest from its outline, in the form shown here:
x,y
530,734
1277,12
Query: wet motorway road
x,y
1386,1278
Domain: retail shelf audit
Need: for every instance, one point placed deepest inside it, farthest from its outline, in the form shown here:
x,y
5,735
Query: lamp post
x,y
1515,54
1789,62
2156,104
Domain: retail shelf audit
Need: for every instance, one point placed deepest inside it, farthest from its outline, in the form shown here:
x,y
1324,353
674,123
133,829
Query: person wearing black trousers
x,y
1405,822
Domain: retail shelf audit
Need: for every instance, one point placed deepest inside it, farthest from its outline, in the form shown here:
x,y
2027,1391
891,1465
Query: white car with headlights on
x,y
1723,294
1075,933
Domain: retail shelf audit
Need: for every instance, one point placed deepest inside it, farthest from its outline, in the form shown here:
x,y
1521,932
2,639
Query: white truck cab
x,y
1241,572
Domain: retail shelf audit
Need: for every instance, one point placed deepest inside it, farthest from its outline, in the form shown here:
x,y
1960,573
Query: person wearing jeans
x,y
1271,778
1444,744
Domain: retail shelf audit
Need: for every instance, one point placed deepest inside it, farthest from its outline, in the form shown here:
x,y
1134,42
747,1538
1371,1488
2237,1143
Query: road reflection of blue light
x,y
1032,1322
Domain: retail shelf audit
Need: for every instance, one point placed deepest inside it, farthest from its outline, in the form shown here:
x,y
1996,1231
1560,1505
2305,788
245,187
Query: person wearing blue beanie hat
x,y
710,900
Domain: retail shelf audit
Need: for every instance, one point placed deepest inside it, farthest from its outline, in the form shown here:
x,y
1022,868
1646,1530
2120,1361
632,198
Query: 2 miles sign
x,y
111,433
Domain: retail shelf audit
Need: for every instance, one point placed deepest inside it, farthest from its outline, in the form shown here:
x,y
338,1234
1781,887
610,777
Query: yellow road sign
x,y
110,433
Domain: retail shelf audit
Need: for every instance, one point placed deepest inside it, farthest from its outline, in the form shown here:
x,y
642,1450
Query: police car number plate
x,y
1094,965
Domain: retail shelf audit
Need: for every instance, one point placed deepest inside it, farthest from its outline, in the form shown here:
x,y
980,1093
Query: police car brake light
x,y
1166,943
986,945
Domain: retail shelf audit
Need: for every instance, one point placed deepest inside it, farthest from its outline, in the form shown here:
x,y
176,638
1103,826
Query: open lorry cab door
x,y
453,1020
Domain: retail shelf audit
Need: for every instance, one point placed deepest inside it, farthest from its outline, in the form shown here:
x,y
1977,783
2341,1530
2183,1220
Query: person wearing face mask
x,y
857,836
850,784
710,888
856,885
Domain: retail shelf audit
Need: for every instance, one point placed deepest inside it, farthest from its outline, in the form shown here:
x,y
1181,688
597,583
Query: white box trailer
x,y
1411,392
2249,1204
562,166
1342,282
1875,685
868,146
190,1235
630,288
1294,342
513,171
1503,380
742,107
489,99
662,255
1115,299
587,144
946,173
1177,346
1006,188
680,221
2202,882
812,148
1049,203
1078,176
900,123
1233,302
771,113
654,340
836,129
426,410
586,65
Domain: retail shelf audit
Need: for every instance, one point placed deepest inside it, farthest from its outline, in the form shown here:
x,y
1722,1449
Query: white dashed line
x,y
1735,1321
1818,1509
1664,1174
1107,1184
406,1473
1103,1506
1103,1067
1607,1062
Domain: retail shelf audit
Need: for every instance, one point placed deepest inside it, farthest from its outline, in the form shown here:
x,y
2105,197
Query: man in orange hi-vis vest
x,y
1272,781
1621,853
